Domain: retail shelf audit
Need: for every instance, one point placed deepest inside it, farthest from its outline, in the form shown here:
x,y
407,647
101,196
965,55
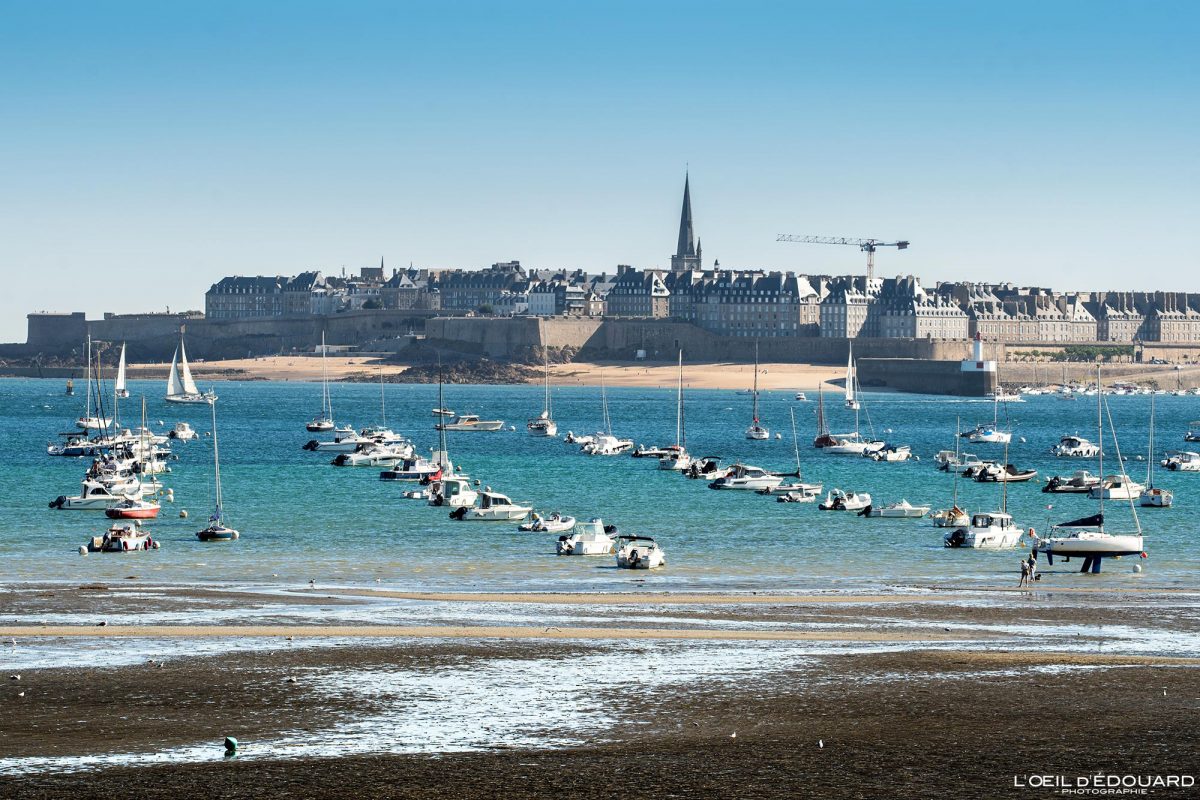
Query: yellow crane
x,y
868,246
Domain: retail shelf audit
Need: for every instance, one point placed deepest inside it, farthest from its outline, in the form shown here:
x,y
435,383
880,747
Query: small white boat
x,y
605,444
470,422
745,476
890,453
1086,538
323,422
123,537
706,468
1008,473
443,412
813,489
373,455
413,469
987,531
676,459
1181,461
493,507
1002,396
555,523
452,491
182,432
900,510
639,552
1153,496
1075,447
797,496
756,431
94,496
582,439
1116,487
988,434
801,397
591,538
840,500
649,451
953,517
1079,482
217,530
544,424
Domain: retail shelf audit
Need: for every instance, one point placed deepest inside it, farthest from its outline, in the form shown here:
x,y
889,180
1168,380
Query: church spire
x,y
686,246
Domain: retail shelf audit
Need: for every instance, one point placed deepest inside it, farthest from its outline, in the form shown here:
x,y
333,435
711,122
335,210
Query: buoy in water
x,y
183,513
82,550
778,435
1137,567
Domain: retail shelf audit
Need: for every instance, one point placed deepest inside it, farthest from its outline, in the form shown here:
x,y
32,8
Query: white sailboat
x,y
1153,496
953,517
1086,537
323,421
543,424
677,457
180,386
119,387
604,443
756,431
217,531
851,376
92,419
850,444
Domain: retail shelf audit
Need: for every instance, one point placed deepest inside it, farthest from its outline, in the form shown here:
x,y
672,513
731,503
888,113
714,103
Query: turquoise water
x,y
302,519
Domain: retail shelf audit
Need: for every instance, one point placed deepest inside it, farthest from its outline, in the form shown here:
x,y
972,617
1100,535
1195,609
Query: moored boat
x,y
133,507
121,538
591,538
555,523
841,500
639,552
470,422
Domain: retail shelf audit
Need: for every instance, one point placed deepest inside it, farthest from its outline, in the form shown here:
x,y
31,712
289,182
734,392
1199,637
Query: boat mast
x,y
326,401
547,405
795,441
822,428
755,390
216,465
88,380
1100,442
679,405
604,407
957,439
445,455
1150,449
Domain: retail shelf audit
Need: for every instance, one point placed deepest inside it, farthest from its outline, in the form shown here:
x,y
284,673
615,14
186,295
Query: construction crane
x,y
868,246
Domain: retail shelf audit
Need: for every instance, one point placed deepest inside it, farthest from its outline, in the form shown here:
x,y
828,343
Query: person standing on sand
x,y
1032,564
1024,574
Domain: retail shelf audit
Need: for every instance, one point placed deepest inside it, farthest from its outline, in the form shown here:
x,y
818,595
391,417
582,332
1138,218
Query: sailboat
x,y
849,444
953,517
180,386
323,421
756,431
1086,537
797,491
851,377
544,424
604,443
93,418
217,531
677,457
1153,496
989,434
119,387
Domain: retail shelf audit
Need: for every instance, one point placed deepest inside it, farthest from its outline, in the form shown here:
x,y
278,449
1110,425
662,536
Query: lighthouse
x,y
977,363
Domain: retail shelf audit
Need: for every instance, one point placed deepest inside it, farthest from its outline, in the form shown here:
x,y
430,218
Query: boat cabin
x,y
992,520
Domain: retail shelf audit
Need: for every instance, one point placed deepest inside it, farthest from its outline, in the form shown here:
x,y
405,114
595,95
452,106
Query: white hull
x,y
852,448
675,463
191,399
1091,543
751,484
543,429
504,514
989,539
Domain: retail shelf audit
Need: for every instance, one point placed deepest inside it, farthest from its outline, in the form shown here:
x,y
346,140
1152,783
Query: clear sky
x,y
148,149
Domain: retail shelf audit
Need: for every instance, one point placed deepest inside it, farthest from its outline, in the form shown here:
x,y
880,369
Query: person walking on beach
x,y
1024,574
1032,565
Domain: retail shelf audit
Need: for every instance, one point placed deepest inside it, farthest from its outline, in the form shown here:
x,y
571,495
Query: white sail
x,y
120,384
174,388
185,374
850,376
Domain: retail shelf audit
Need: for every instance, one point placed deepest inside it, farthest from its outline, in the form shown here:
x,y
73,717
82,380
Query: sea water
x,y
302,519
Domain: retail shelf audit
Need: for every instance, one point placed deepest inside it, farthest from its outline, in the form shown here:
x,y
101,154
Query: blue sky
x,y
151,148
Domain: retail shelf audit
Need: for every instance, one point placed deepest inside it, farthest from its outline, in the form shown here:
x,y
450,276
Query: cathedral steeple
x,y
687,254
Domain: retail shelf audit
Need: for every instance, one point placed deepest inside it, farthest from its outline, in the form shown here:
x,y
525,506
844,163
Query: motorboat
x,y
121,538
756,431
591,538
544,424
744,476
841,500
1079,482
323,422
581,439
217,530
555,523
639,552
1075,447
953,517
1181,461
470,422
373,455
794,487
975,470
991,530
945,459
413,468
798,496
890,453
1002,396
182,432
382,434
452,491
901,510
965,463
987,434
181,388
605,444
94,496
77,445
133,507
706,468
350,441
443,412
994,473
649,451
1116,487
1193,432
493,507
801,397
675,458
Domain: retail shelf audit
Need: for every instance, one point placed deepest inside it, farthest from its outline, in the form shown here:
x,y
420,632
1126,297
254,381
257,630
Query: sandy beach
x,y
908,694
803,377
